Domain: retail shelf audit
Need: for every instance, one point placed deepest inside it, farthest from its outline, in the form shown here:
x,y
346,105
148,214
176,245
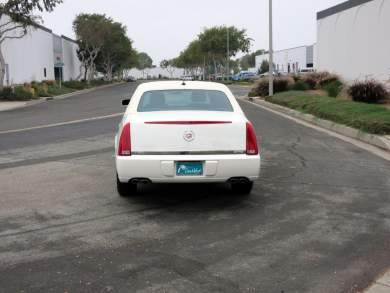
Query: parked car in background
x,y
187,77
192,132
130,79
244,76
265,74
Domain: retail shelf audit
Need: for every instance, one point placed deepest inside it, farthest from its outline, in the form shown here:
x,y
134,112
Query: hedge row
x,y
368,91
370,118
46,88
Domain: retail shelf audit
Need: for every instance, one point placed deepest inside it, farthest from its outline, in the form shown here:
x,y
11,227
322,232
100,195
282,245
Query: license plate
x,y
189,168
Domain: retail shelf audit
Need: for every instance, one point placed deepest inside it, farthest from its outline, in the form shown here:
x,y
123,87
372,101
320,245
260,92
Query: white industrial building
x,y
353,39
290,60
72,65
155,72
39,55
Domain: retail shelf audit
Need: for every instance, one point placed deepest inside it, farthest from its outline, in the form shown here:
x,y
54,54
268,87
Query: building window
x,y
44,72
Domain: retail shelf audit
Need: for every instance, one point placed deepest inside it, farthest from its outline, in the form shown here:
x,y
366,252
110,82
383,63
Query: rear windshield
x,y
184,100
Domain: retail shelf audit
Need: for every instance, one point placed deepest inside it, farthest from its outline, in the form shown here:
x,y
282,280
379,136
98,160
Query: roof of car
x,y
179,84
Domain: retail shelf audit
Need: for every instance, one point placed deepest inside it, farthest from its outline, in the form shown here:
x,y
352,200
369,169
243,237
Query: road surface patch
x,y
62,123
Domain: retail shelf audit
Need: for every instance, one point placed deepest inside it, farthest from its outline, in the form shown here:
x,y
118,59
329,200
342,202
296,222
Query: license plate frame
x,y
189,168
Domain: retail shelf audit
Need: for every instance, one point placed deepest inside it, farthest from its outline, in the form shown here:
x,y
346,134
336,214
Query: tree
x,y
235,66
144,62
249,60
208,51
167,65
91,31
131,62
117,52
191,59
264,67
15,17
213,42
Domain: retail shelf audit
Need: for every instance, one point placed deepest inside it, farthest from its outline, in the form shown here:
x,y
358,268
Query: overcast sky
x,y
163,28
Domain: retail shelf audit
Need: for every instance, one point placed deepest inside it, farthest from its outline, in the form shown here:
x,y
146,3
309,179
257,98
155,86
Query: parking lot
x,y
318,219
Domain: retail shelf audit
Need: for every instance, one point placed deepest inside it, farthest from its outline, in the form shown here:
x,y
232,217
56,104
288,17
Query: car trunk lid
x,y
188,132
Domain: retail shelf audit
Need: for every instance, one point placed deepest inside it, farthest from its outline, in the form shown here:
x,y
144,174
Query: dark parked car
x,y
130,79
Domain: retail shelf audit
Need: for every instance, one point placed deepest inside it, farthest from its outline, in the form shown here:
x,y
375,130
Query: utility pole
x,y
271,53
204,68
227,55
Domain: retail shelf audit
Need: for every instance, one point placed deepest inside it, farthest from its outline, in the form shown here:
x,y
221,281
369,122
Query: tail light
x,y
124,146
251,141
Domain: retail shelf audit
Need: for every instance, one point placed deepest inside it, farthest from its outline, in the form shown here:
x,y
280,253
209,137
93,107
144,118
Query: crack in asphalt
x,y
187,268
55,158
159,207
76,222
292,149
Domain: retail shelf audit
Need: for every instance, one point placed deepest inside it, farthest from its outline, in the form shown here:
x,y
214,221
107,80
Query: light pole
x,y
271,53
227,54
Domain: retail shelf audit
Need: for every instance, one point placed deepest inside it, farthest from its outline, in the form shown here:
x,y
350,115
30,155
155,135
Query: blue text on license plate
x,y
189,168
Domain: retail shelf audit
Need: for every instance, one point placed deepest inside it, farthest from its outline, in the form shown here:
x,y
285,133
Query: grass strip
x,y
370,118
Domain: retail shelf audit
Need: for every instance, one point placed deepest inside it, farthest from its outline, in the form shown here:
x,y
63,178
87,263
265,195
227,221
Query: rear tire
x,y
242,188
125,189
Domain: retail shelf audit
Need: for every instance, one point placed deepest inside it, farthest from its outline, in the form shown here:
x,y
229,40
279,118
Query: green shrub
x,y
300,85
41,89
261,87
326,78
252,94
56,90
317,80
28,87
296,77
368,91
333,88
49,82
7,93
21,93
311,81
75,84
98,82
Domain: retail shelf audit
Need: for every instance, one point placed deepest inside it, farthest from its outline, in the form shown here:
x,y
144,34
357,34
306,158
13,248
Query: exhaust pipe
x,y
140,181
238,180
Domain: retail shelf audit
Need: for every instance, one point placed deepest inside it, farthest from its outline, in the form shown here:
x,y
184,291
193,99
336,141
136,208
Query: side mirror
x,y
125,102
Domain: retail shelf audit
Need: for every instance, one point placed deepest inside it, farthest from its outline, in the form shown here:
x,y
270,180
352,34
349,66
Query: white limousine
x,y
185,132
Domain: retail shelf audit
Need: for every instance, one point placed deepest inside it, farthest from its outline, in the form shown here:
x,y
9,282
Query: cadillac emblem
x,y
189,135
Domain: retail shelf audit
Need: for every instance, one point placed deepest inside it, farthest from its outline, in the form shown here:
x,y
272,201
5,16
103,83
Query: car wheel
x,y
242,188
125,189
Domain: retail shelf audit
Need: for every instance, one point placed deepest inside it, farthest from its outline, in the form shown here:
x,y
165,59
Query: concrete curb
x,y
382,284
60,97
381,141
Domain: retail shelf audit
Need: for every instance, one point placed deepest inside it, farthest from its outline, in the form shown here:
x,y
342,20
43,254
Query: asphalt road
x,y
318,219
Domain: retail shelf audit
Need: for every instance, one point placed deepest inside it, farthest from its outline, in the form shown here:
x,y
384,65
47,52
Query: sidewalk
x,y
11,105
381,285
5,106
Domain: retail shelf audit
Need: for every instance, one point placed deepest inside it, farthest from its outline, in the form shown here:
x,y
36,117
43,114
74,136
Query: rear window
x,y
184,100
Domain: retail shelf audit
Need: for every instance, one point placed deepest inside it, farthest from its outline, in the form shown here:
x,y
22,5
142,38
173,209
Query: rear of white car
x,y
185,132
